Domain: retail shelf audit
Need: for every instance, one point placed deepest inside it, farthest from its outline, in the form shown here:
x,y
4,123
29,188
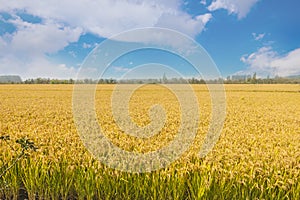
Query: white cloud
x,y
158,38
89,46
25,51
37,67
73,54
120,69
163,37
43,68
63,22
258,37
34,39
86,46
288,64
106,17
184,23
239,7
203,2
266,61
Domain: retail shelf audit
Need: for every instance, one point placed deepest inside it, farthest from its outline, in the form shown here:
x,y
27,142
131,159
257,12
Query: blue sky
x,y
52,39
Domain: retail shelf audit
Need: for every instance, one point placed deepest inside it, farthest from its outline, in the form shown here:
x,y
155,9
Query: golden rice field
x,y
256,157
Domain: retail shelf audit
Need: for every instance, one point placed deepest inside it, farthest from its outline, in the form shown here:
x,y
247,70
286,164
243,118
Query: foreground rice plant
x,y
257,156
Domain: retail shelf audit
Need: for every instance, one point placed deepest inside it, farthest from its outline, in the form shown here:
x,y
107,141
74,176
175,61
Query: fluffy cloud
x,y
24,52
266,61
63,22
106,17
239,7
184,23
36,67
288,64
33,39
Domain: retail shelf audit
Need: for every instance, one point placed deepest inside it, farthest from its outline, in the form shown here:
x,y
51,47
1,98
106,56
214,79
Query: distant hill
x,y
10,79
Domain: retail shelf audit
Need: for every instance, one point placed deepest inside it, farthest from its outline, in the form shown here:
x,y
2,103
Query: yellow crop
x,y
257,155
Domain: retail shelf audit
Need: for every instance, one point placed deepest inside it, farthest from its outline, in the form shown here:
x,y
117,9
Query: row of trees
x,y
276,80
164,80
68,81
254,80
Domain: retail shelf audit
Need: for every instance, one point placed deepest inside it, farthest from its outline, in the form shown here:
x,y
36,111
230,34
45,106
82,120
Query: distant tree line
x,y
48,81
68,81
164,80
248,79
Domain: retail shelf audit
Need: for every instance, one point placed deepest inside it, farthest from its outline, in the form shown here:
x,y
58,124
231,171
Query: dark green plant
x,y
25,144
